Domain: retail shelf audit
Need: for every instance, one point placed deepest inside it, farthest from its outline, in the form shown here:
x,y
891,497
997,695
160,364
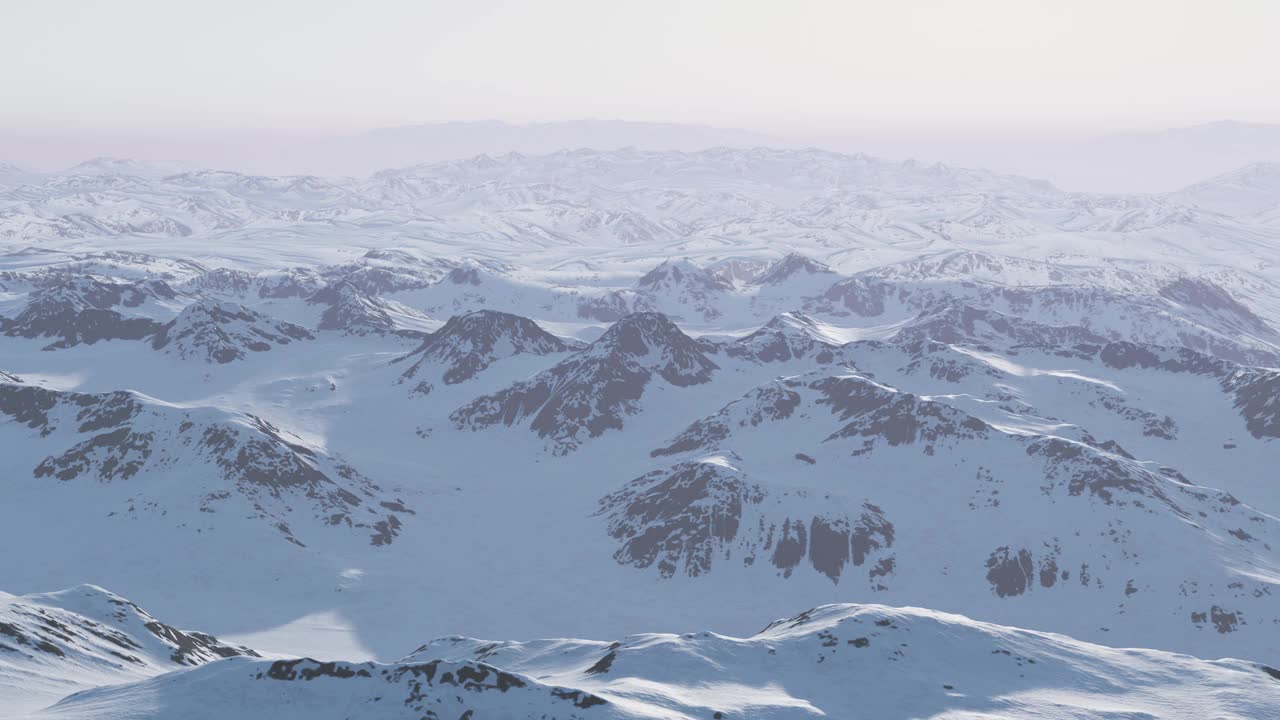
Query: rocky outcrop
x,y
791,266
468,344
594,390
238,460
790,336
83,309
685,519
219,332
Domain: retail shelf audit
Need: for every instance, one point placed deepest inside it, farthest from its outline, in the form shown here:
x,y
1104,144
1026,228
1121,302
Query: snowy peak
x,y
975,265
220,332
117,166
652,341
675,275
54,644
353,311
793,265
959,323
96,612
1175,310
789,336
738,271
592,391
679,286
468,344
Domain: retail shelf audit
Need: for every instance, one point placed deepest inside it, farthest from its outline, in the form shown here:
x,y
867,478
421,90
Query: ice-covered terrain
x,y
832,661
594,394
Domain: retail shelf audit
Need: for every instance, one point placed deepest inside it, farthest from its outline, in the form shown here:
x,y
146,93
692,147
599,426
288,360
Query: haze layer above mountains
x,y
1115,161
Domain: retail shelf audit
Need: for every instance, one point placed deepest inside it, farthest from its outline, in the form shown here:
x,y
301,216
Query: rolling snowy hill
x,y
908,663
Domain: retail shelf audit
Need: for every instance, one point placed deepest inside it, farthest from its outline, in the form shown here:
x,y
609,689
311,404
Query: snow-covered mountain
x,y
912,663
189,461
320,415
813,472
54,644
468,344
220,332
1251,189
595,389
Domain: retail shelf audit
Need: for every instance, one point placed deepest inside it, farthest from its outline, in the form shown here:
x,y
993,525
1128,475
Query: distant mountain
x,y
82,309
353,311
792,266
447,141
786,337
469,344
218,332
360,153
1157,160
1252,189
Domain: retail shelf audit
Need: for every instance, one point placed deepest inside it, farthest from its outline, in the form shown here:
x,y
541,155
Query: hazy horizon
x,y
809,67
294,87
1162,160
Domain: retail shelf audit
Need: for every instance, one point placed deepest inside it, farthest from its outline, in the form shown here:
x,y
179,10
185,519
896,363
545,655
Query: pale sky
x,y
790,65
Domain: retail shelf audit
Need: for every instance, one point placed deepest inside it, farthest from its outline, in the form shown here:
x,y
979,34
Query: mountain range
x,y
990,430
1120,161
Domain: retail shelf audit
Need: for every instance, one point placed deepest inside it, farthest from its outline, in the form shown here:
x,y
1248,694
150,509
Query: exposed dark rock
x,y
791,266
80,309
224,332
791,336
959,323
117,436
1009,572
593,390
683,518
876,411
353,311
468,344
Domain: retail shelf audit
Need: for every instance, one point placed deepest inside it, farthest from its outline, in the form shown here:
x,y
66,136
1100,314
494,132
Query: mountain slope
x,y
235,463
218,332
825,472
468,344
593,390
54,644
911,663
